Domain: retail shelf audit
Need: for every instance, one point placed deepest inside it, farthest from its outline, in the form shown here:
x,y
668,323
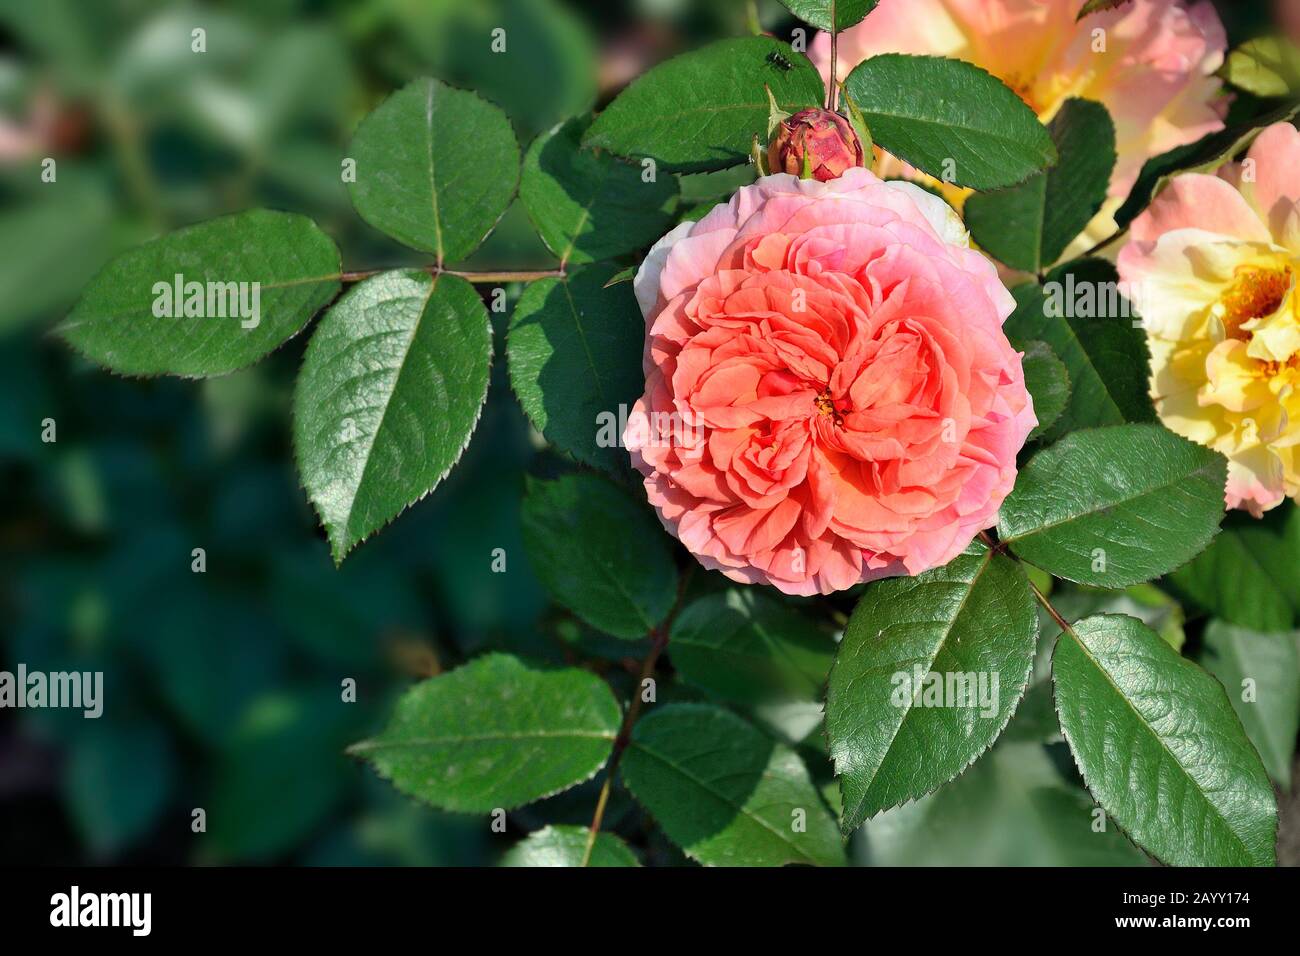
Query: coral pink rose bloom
x,y
1152,67
1213,264
829,397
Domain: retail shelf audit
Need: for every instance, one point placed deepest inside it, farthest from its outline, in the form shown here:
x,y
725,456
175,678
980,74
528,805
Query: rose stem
x,y
832,82
468,276
659,638
998,547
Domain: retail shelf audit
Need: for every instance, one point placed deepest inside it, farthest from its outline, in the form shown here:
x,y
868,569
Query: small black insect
x,y
777,60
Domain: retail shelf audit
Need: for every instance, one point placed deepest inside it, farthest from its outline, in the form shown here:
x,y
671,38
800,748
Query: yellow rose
x,y
1212,266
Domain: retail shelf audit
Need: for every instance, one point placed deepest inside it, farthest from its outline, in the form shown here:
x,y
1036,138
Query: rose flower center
x,y
1255,294
826,405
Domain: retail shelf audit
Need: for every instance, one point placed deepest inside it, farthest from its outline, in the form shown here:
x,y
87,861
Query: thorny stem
x,y
659,640
486,277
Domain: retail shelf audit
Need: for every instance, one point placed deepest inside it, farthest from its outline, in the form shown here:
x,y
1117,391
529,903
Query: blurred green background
x,y
223,689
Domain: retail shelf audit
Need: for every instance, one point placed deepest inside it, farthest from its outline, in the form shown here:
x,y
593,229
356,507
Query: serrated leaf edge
x,y
845,828
339,556
1082,773
358,749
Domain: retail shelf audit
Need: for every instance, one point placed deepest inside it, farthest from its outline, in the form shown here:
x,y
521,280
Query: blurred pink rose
x,y
1155,73
829,397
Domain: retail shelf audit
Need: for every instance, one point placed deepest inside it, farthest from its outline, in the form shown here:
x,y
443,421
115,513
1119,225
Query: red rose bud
x,y
815,144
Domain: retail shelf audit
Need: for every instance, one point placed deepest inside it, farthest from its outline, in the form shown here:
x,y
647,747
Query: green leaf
x,y
1160,748
623,275
950,117
390,390
700,111
1261,673
818,12
544,70
599,553
231,655
285,266
497,732
566,845
1157,610
748,648
1009,809
1247,577
1048,382
1115,506
280,777
588,205
574,349
54,244
726,794
912,699
1205,155
587,642
111,807
710,189
1097,6
1029,226
1080,315
1266,66
436,168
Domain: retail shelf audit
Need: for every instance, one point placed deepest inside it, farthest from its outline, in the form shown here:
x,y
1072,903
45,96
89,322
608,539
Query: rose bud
x,y
814,144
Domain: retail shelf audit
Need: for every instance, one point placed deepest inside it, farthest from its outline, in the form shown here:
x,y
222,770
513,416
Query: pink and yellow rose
x,y
829,396
1152,66
1213,262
